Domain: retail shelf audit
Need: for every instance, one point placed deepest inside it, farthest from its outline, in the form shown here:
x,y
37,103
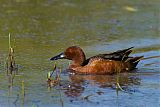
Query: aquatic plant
x,y
118,87
10,60
22,92
53,81
50,79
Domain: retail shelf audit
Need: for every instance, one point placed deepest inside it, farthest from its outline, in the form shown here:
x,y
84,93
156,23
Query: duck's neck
x,y
78,60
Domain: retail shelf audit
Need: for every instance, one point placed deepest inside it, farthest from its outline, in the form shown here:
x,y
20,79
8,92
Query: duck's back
x,y
120,55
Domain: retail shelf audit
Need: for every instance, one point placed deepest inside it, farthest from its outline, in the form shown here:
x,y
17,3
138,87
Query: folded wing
x,y
120,55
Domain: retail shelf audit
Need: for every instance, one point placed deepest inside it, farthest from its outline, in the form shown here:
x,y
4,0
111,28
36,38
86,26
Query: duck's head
x,y
73,53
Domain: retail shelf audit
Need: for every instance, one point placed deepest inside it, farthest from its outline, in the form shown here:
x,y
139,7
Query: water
x,y
42,29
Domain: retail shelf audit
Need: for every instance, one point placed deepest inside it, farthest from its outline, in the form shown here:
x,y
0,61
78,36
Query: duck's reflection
x,y
79,82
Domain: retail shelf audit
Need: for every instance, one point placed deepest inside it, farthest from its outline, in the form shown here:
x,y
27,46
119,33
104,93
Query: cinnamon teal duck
x,y
109,63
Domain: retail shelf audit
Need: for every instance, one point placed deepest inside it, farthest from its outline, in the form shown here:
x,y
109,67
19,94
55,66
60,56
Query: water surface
x,y
42,29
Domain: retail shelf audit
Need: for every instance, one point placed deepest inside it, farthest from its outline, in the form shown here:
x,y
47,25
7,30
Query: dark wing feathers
x,y
120,55
122,51
134,61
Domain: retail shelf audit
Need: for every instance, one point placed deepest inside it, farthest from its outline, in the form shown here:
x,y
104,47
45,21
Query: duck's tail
x,y
133,61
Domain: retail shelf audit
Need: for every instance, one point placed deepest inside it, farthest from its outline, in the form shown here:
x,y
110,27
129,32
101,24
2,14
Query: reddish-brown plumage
x,y
100,64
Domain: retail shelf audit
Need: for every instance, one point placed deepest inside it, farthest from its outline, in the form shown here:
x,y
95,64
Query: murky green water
x,y
43,28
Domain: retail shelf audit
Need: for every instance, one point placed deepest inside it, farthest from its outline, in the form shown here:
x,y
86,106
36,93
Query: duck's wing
x,y
121,51
120,55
